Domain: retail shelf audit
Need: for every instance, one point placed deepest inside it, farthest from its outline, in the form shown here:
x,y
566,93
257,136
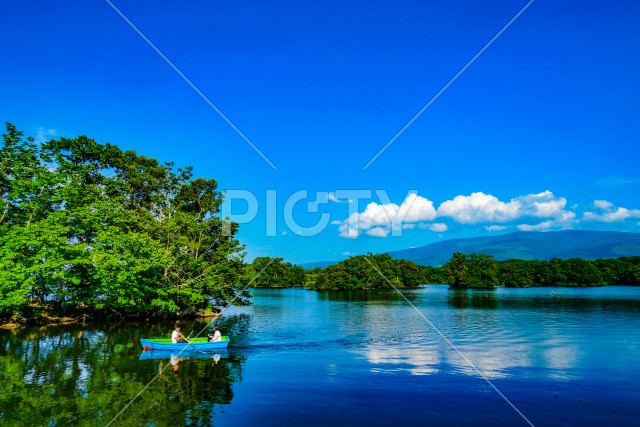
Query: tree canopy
x,y
369,272
471,271
276,273
88,227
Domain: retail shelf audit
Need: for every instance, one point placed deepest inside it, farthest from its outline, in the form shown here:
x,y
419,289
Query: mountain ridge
x,y
528,245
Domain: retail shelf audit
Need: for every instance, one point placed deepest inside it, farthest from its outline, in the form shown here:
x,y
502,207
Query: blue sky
x,y
320,87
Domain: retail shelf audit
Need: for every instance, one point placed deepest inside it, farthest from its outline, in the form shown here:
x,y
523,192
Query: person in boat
x,y
216,336
176,335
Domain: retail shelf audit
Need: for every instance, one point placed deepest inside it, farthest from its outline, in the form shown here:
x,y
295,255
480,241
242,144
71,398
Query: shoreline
x,y
48,320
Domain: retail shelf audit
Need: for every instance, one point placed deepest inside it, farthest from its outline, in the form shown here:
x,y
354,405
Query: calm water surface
x,y
297,357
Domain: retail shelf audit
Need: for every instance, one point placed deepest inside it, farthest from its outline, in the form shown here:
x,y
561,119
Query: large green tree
x,y
369,272
472,271
275,273
88,227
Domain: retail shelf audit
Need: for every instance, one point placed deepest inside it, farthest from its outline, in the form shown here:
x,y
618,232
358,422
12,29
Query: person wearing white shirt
x,y
176,335
217,336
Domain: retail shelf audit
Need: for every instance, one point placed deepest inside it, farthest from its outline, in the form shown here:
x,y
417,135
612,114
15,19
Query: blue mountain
x,y
530,245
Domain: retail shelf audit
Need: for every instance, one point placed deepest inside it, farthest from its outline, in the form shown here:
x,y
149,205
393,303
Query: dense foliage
x,y
368,272
475,271
275,273
471,271
570,272
88,227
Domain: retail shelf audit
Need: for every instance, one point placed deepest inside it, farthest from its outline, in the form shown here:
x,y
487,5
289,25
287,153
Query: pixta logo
x,y
306,213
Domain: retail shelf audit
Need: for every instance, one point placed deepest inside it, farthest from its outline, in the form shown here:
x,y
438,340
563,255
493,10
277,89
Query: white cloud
x,y
436,227
478,207
347,253
602,204
284,233
378,232
607,212
565,221
417,209
542,205
380,219
531,212
542,226
439,227
346,231
332,197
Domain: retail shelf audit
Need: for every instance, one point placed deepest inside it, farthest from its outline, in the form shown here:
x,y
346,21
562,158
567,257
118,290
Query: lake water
x,y
561,356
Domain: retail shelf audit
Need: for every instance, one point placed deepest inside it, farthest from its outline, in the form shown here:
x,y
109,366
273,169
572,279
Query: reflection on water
x,y
64,376
366,295
563,331
563,356
175,358
618,298
416,361
476,298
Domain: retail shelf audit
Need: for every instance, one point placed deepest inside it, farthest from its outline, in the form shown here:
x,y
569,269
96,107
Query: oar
x,y
194,347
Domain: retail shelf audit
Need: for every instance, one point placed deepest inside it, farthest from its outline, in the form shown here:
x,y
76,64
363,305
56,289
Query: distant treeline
x,y
369,272
473,271
482,271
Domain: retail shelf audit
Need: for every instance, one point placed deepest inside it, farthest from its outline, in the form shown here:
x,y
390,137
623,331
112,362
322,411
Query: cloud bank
x,y
605,211
378,220
531,212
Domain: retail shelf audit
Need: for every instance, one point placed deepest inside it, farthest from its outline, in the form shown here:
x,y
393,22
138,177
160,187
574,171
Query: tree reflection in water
x,y
473,298
70,376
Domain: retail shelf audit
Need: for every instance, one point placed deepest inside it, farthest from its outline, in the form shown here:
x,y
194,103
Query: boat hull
x,y
200,344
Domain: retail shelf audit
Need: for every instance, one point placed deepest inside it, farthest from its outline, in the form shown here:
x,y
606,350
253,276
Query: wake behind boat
x,y
195,344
